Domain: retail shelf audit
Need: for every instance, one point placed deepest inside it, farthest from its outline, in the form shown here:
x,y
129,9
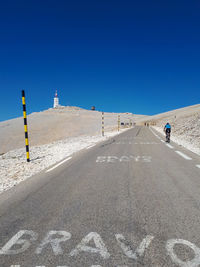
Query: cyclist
x,y
167,130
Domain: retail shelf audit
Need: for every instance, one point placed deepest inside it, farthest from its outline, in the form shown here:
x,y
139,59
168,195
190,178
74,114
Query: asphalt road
x,y
130,201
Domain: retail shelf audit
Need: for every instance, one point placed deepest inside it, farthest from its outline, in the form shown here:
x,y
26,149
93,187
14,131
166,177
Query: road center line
x,y
198,166
183,155
60,163
170,146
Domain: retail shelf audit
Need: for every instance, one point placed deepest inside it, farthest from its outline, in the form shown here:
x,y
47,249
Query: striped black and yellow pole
x,y
102,123
118,123
25,126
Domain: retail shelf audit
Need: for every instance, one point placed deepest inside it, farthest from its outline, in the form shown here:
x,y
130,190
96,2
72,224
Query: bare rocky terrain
x,y
55,134
57,124
185,124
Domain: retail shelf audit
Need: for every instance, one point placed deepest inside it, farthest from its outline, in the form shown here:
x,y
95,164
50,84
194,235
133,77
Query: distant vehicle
x,y
93,108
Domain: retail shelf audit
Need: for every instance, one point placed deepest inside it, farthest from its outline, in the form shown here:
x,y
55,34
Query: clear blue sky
x,y
121,56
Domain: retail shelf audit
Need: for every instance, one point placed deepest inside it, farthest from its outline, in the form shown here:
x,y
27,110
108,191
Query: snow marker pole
x,y
102,123
118,123
25,126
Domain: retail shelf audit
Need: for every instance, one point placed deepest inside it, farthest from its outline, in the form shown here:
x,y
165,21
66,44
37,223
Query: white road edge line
x,y
90,146
183,155
198,166
153,132
170,146
156,135
60,163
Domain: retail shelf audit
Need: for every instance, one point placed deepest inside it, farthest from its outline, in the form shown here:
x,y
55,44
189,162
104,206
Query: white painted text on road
x,y
114,159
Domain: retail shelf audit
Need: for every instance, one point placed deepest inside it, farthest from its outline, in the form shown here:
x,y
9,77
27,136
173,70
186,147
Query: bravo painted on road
x,y
23,240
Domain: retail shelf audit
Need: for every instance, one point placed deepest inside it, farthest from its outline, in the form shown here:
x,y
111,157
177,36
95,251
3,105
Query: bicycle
x,y
167,137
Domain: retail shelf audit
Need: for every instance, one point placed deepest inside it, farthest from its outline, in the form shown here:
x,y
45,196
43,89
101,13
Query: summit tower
x,y
56,100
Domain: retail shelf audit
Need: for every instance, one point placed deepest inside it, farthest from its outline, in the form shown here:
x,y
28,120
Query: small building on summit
x,y
56,100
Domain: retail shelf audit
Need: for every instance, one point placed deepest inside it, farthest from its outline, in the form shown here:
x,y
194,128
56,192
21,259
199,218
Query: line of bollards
x,y
26,125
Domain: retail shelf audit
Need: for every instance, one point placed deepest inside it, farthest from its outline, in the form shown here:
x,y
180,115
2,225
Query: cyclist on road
x,y
167,130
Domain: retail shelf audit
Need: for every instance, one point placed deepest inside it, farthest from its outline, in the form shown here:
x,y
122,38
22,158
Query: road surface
x,y
130,201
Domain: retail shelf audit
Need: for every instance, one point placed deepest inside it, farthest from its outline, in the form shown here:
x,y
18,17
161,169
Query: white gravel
x,y
185,132
14,168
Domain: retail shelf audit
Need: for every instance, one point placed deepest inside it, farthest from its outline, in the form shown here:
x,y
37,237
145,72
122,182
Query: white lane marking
x,y
198,166
183,155
53,240
100,246
60,163
190,263
17,239
153,132
156,135
170,146
128,250
90,146
162,141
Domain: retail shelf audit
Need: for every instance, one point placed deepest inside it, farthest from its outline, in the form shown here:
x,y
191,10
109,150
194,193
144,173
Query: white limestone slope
x,y
56,124
54,134
14,168
185,124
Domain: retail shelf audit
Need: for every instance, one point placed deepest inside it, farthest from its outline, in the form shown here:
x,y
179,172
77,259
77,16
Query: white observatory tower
x,y
56,101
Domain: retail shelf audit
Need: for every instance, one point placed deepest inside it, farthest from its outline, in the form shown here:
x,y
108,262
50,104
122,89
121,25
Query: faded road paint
x,y
195,262
183,155
127,248
170,146
114,159
99,248
57,165
54,242
17,240
136,143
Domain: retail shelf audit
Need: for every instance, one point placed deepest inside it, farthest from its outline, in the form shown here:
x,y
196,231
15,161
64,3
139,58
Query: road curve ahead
x,y
130,201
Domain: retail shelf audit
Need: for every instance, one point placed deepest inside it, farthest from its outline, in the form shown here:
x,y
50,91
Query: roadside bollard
x,y
25,126
102,123
118,123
